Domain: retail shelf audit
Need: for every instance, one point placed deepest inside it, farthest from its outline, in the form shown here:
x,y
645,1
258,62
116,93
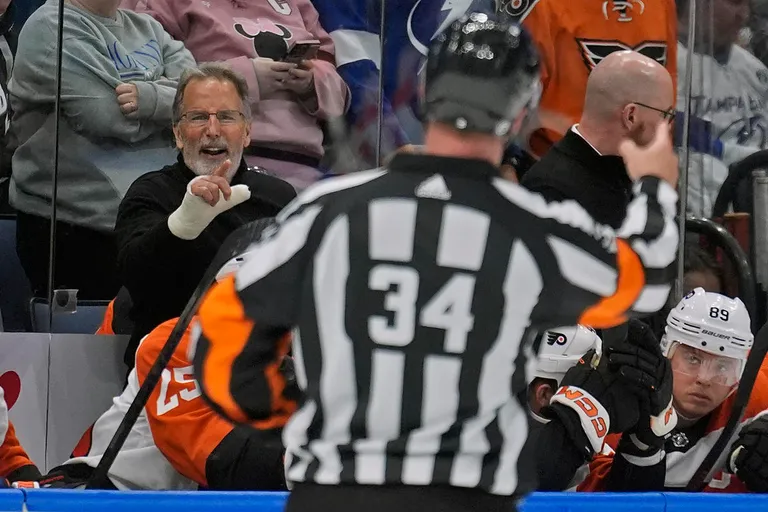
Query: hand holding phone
x,y
302,50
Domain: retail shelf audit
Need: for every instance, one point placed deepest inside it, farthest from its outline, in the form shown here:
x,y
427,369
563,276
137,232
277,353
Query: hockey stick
x,y
747,382
235,244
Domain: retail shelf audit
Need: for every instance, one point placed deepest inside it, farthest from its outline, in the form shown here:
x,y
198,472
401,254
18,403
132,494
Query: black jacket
x,y
573,170
160,270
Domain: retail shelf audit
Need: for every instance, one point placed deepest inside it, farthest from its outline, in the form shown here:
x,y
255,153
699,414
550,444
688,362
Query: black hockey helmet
x,y
482,75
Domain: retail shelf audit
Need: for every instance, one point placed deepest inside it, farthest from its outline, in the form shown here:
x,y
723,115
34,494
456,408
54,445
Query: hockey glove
x,y
593,401
648,374
749,457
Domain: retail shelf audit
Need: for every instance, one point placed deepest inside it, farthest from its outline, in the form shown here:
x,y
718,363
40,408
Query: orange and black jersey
x,y
685,449
574,36
15,464
200,444
179,442
409,292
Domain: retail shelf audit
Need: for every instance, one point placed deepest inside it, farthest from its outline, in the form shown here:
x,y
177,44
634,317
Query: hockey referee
x,y
409,296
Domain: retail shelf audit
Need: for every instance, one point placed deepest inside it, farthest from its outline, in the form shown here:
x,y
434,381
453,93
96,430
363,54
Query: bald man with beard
x,y
628,95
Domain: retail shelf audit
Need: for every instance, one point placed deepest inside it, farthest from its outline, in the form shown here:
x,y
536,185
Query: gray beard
x,y
202,168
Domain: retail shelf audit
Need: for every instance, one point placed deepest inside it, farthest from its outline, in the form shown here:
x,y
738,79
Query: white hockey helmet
x,y
712,323
562,348
233,265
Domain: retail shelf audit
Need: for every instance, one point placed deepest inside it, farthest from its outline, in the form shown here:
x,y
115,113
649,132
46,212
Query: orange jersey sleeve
x,y
599,467
12,455
184,428
106,323
573,37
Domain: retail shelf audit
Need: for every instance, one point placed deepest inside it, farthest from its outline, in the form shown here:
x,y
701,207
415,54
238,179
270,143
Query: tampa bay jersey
x,y
727,118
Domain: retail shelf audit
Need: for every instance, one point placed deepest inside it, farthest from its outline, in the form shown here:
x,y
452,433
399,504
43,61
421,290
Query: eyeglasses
x,y
201,117
668,115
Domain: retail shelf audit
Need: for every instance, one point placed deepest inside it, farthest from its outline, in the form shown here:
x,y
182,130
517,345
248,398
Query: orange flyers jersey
x,y
683,456
12,455
170,442
575,35
184,427
106,323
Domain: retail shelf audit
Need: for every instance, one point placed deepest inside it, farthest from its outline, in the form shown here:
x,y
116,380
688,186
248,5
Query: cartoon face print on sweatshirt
x,y
269,39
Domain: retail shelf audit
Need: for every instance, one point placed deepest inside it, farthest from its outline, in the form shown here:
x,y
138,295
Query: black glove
x,y
592,401
748,459
648,373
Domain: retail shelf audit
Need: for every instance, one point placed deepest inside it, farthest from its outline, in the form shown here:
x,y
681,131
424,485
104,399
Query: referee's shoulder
x,y
568,213
325,190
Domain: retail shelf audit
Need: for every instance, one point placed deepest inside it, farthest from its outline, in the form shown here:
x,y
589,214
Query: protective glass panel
x,y
721,132
120,67
25,193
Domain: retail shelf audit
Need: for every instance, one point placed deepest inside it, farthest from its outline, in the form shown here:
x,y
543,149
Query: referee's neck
x,y
443,140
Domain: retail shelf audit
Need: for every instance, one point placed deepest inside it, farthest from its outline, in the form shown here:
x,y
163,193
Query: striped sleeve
x,y
646,247
610,274
245,321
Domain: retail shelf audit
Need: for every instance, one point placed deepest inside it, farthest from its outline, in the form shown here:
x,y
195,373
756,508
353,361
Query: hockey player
x,y
707,340
560,350
178,441
15,464
635,370
410,291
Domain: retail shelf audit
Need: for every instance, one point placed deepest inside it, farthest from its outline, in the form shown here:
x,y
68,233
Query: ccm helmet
x,y
714,324
482,75
562,348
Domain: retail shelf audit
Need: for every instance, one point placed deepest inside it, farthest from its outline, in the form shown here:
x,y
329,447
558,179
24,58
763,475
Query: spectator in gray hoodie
x,y
119,75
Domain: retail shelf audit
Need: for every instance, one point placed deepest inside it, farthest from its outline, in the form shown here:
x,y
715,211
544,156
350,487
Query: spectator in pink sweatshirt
x,y
287,100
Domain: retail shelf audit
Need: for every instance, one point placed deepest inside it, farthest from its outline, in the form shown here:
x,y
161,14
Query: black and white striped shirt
x,y
410,292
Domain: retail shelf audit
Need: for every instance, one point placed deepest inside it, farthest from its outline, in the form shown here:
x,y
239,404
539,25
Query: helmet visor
x,y
706,367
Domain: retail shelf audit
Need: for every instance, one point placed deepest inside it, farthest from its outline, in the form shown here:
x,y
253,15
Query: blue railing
x,y
112,501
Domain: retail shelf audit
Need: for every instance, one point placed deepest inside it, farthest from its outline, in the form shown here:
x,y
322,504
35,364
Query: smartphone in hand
x,y
302,50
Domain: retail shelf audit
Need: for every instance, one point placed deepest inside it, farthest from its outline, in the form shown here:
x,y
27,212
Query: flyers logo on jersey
x,y
518,9
624,8
593,51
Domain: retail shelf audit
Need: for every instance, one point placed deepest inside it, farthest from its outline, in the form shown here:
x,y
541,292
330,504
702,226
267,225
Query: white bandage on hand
x,y
194,214
594,418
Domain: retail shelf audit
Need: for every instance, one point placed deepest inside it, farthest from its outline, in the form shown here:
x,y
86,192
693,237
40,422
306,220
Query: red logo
x,y
11,384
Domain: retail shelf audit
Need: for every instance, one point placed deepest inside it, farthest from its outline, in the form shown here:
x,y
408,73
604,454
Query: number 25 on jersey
x,y
176,383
